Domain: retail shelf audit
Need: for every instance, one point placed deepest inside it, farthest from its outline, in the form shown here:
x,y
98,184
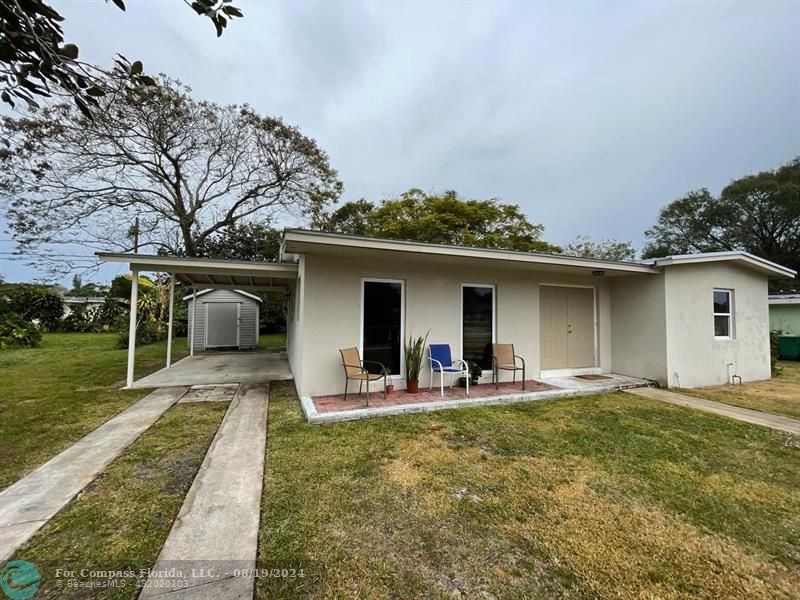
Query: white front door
x,y
222,324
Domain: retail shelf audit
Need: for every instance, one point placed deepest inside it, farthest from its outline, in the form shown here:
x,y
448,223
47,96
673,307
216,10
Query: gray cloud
x,y
590,115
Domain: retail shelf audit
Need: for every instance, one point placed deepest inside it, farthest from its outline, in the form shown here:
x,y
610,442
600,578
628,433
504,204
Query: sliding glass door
x,y
382,324
477,324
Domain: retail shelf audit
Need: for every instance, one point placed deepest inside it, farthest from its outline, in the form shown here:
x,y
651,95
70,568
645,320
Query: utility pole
x,y
136,236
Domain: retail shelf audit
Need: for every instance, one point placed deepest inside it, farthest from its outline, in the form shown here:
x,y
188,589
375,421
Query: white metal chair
x,y
441,362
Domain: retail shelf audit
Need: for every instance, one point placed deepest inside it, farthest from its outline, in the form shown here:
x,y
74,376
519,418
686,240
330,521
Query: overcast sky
x,y
591,116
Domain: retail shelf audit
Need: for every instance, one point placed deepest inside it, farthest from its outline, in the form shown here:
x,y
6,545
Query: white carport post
x,y
194,319
132,326
169,326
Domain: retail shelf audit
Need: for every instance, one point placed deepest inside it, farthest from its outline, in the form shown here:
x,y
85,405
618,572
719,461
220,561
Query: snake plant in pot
x,y
415,354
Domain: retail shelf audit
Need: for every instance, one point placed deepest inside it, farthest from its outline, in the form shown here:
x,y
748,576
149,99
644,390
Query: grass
x,y
53,395
779,395
602,496
120,521
272,341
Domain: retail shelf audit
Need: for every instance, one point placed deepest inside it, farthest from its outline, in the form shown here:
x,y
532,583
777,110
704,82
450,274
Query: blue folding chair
x,y
441,362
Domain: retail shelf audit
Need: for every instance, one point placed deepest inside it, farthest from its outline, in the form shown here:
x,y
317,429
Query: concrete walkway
x,y
33,500
211,550
726,410
221,367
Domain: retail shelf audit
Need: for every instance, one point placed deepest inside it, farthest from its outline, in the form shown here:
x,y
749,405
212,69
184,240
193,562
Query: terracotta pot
x,y
412,387
389,389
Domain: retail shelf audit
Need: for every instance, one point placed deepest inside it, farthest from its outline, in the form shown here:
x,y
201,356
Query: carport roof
x,y
211,273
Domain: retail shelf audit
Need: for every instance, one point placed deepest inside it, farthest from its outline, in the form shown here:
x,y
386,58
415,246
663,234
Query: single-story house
x,y
689,320
86,302
784,312
222,319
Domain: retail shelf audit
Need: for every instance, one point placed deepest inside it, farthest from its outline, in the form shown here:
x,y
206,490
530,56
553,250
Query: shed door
x,y
222,324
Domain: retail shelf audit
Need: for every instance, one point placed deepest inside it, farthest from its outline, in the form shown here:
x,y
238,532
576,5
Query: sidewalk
x,y
33,500
726,410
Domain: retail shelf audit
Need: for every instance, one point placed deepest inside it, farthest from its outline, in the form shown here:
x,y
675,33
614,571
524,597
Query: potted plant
x,y
414,352
475,373
389,385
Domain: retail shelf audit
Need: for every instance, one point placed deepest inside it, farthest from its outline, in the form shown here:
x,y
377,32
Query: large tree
x,y
36,61
584,246
441,219
759,214
181,169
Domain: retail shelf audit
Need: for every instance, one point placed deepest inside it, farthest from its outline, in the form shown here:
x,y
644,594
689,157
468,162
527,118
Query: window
x,y
723,314
477,324
382,324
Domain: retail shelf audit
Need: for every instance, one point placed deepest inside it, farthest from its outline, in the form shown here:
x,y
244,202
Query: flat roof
x,y
211,273
749,260
294,241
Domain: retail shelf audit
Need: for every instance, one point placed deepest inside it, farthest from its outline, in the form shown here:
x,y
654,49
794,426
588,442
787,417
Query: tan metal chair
x,y
504,359
354,369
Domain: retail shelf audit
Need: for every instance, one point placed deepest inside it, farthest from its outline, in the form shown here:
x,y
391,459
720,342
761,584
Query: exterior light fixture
x,y
598,273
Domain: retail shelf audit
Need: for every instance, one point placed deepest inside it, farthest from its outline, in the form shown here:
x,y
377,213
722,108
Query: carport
x,y
198,273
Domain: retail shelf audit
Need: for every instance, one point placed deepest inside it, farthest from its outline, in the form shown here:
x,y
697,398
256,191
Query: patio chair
x,y
441,362
354,369
504,359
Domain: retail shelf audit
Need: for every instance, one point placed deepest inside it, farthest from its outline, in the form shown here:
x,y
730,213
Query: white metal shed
x,y
223,319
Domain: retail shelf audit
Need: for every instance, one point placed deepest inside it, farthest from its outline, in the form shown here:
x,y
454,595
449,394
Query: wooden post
x,y
194,320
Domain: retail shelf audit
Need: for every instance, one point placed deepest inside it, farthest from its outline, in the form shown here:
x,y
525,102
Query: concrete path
x,y
726,410
211,550
227,367
33,500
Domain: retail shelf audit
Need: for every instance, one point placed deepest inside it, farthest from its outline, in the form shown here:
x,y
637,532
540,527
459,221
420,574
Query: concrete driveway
x,y
227,367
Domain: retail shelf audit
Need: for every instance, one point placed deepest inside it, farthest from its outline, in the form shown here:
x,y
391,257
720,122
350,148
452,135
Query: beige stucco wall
x,y
694,357
638,327
331,291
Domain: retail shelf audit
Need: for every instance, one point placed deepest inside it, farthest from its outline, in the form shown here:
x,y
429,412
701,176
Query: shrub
x,y
109,311
36,303
147,331
81,320
773,353
17,332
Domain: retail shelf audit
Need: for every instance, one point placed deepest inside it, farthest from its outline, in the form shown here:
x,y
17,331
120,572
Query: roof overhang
x,y
785,299
745,259
301,241
212,273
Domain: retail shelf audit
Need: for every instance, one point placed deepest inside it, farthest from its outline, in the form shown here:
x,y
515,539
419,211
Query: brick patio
x,y
333,404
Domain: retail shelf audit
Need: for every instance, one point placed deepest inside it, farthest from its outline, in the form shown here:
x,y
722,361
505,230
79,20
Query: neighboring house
x,y
687,321
87,302
784,312
222,319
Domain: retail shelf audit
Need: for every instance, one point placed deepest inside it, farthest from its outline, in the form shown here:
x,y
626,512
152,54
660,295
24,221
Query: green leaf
x,y
70,51
120,4
96,91
137,68
232,11
146,80
84,109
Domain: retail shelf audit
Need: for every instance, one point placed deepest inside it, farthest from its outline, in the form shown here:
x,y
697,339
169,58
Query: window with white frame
x,y
477,323
723,314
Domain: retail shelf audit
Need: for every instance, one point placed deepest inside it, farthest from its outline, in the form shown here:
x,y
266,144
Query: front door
x,y
566,324
222,324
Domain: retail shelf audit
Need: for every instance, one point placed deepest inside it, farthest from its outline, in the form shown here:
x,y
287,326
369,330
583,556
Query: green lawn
x,y
53,395
272,341
779,395
602,496
120,521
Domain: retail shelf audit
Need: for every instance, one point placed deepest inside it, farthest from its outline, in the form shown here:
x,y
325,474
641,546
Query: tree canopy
x,y
441,219
605,249
759,214
182,169
35,61
244,241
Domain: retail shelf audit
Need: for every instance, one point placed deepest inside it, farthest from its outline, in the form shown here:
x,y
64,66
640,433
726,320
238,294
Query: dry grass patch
x,y
779,395
603,496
